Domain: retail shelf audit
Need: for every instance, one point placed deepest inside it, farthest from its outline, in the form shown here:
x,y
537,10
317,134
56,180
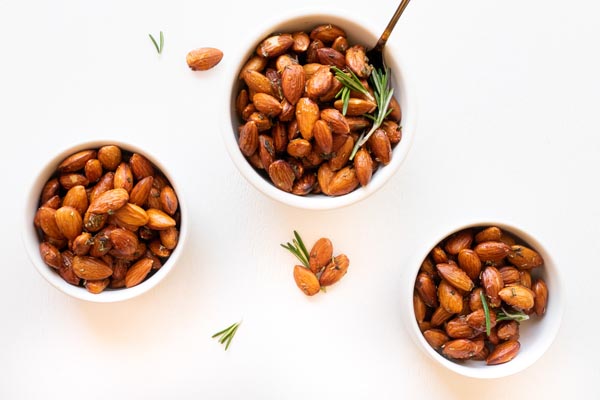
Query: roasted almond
x,y
323,136
492,283
168,200
329,56
69,180
524,258
458,328
307,114
343,182
90,268
50,190
476,319
306,280
97,286
275,45
259,83
50,255
267,104
110,157
254,63
66,269
140,192
439,316
455,276
319,83
342,154
293,80
490,234
93,170
203,58
510,275
104,184
69,222
459,241
299,148
419,307
305,184
169,237
503,353
76,162
138,272
540,291
324,176
426,288
381,146
159,220
335,270
301,42
81,244
492,251
248,138
517,296
77,198
109,201
475,299
363,164
266,150
356,107
449,297
124,242
469,262
392,130
356,60
282,175
396,111
436,338
336,120
459,349
94,222
123,177
320,255
327,33
140,166
508,330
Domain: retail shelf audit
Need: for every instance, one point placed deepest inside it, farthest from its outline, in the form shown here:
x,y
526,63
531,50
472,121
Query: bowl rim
x,y
557,298
318,202
31,241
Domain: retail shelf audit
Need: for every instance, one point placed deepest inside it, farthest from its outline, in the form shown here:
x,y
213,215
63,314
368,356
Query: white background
x,y
508,100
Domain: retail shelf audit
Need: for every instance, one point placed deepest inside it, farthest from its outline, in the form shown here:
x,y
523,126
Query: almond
x,y
50,255
123,177
327,33
455,276
282,175
524,258
425,287
329,56
517,296
459,349
69,180
140,192
510,275
168,200
263,123
77,198
335,270
540,291
436,338
124,242
81,244
469,262
266,150
301,42
255,63
356,107
306,280
66,269
381,146
90,268
94,222
458,328
449,297
438,255
76,161
357,124
319,83
203,58
476,319
248,138
356,60
138,272
459,241
93,170
343,182
439,316
492,283
305,184
323,136
490,234
69,222
159,220
299,148
503,352
492,251
419,307
363,164
342,154
307,114
333,90
158,249
140,166
50,190
293,80
169,237
104,184
110,157
475,299
508,330
340,44
267,104
258,83
320,255
325,175
109,201
96,286
338,122
396,111
275,45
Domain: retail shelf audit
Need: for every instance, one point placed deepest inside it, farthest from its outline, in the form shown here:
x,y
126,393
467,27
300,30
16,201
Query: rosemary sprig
x,y
350,82
227,334
159,47
383,97
298,249
486,310
518,316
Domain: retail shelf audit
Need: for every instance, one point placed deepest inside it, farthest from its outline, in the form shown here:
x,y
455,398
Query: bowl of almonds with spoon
x,y
310,121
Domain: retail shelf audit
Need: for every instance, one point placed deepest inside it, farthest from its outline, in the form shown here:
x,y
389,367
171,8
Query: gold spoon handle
x,y
388,29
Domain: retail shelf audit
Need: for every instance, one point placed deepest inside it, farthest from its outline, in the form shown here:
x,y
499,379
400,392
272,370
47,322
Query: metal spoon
x,y
375,55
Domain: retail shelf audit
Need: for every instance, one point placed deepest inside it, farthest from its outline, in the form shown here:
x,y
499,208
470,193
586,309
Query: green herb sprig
x,y
298,249
518,316
486,310
159,47
350,82
227,334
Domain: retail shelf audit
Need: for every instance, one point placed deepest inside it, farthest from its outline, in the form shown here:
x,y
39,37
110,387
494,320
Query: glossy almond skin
x,y
510,275
293,79
363,164
69,222
267,104
307,114
282,175
459,241
327,33
503,352
319,83
94,222
524,257
342,154
490,234
323,136
439,316
492,283
77,198
50,255
255,63
168,200
393,131
476,319
335,270
426,288
50,190
419,307
266,150
459,349
69,180
324,176
356,60
306,280
141,167
458,328
110,157
492,251
356,107
301,41
540,290
275,45
330,56
97,286
517,296
159,220
140,192
93,170
475,299
436,338
258,82
109,201
123,177
320,255
76,162
138,272
469,262
455,276
104,184
299,147
336,120
204,58
90,268
343,182
449,297
508,330
124,242
248,138
82,244
305,184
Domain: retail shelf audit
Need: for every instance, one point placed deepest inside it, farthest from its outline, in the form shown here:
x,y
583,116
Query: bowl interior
x,y
536,334
31,240
358,32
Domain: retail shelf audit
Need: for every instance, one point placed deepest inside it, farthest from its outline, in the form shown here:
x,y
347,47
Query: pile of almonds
x,y
107,218
323,269
292,126
447,298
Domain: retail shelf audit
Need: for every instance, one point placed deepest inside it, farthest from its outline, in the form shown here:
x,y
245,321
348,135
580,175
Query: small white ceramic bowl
x,y
359,31
536,334
32,241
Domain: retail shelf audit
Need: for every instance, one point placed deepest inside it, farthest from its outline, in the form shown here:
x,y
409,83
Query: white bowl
x,y
536,334
31,239
359,31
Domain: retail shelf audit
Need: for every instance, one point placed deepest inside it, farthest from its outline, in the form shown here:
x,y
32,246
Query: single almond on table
x,y
203,58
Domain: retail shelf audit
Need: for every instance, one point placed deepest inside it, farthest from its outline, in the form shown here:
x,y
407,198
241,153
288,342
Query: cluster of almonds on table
x,y
448,294
292,123
107,218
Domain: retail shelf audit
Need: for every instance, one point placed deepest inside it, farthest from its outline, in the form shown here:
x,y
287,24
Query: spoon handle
x,y
388,29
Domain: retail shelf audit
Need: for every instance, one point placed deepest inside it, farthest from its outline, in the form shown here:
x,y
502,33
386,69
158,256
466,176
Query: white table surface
x,y
508,111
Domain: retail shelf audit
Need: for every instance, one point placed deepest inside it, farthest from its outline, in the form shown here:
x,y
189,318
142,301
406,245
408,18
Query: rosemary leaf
x,y
486,310
162,42
227,334
223,331
302,246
